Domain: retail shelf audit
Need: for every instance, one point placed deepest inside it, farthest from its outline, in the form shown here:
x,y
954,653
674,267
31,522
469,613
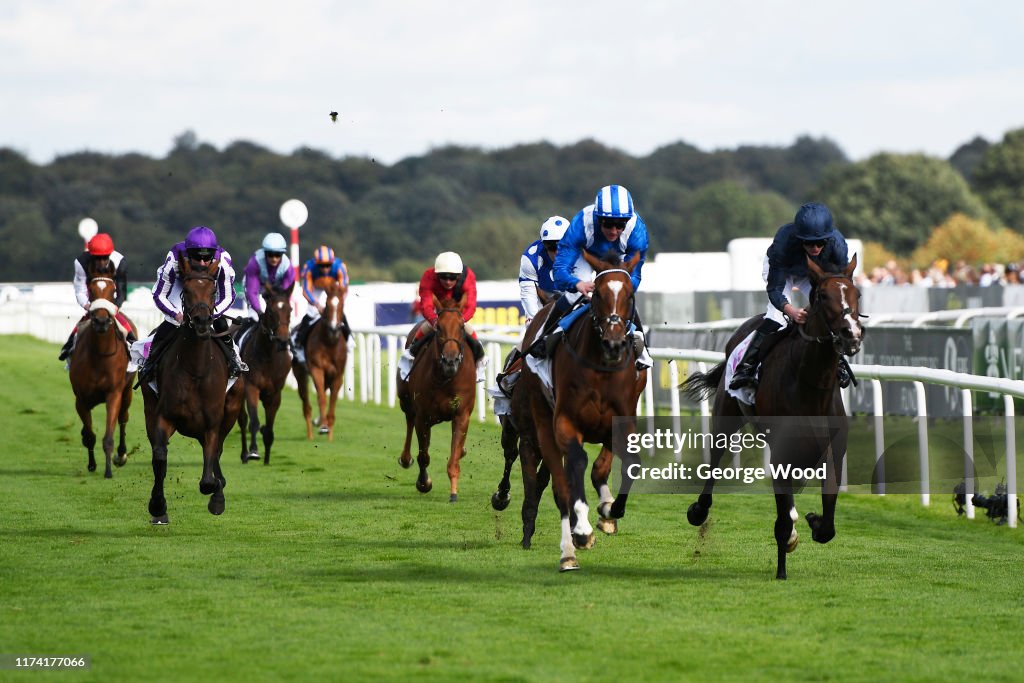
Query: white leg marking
x,y
568,549
582,527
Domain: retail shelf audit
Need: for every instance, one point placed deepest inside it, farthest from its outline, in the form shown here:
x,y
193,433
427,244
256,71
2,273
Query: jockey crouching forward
x,y
447,279
317,274
201,249
268,265
535,267
99,253
811,234
608,225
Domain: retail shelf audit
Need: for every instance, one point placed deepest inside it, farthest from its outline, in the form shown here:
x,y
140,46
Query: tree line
x,y
389,221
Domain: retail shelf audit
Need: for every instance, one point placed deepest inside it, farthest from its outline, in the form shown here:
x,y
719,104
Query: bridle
x,y
269,322
819,312
603,325
442,341
189,313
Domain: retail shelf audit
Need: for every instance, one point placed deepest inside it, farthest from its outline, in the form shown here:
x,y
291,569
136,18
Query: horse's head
x,y
334,310
278,313
198,295
101,295
835,308
449,334
611,304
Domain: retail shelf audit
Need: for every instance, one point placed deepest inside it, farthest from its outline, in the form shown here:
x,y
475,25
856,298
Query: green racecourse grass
x,y
328,565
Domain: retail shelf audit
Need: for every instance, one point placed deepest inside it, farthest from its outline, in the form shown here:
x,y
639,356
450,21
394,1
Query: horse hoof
x,y
208,487
316,422
160,521
696,515
568,564
324,430
794,541
252,456
526,544
92,467
499,502
609,526
424,486
618,508
454,498
405,464
583,542
216,505
120,459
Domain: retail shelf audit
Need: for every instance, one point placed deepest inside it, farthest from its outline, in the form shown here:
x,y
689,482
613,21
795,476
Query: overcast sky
x,y
119,76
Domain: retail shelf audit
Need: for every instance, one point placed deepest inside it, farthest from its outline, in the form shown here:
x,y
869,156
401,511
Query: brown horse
x,y
595,379
192,379
441,387
326,356
798,382
99,369
267,353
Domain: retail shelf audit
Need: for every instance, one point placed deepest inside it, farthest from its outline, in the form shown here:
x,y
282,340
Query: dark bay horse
x,y
192,379
798,382
326,356
99,369
266,351
441,387
595,379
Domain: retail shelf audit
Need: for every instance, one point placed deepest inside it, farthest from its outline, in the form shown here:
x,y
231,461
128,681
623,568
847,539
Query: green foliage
x,y
965,239
999,178
897,199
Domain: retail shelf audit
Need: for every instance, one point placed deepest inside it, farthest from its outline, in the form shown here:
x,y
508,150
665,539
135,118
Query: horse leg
x,y
243,428
405,459
532,488
510,447
251,416
823,528
211,483
724,425
302,379
321,398
568,441
599,479
785,515
423,483
270,406
122,419
216,504
159,431
88,436
560,489
335,388
113,410
460,427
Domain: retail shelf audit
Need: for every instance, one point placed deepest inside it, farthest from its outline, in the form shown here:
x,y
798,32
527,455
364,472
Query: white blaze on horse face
x,y
101,285
616,288
854,326
335,303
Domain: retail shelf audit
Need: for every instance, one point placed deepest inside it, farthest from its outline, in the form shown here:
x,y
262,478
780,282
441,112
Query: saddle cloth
x,y
743,394
140,353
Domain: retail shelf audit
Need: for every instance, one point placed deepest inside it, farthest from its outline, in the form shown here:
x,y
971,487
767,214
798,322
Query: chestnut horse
x,y
193,399
595,379
267,353
441,387
326,356
99,369
797,381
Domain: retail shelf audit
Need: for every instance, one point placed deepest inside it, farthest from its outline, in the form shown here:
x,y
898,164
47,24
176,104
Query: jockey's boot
x,y
552,340
235,365
746,371
66,349
844,374
418,343
478,355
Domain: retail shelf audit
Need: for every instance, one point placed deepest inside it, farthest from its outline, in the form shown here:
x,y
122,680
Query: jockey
x,y
317,273
448,278
268,265
535,266
99,252
812,234
200,248
609,224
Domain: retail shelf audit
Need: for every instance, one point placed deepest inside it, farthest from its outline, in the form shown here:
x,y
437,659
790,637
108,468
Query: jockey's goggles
x,y
201,254
814,243
451,277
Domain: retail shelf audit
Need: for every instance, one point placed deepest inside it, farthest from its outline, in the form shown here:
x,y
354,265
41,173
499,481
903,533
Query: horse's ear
x,y
597,264
852,267
290,288
184,266
817,274
631,263
462,301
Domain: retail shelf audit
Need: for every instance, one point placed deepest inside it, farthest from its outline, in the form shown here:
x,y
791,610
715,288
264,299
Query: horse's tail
x,y
700,385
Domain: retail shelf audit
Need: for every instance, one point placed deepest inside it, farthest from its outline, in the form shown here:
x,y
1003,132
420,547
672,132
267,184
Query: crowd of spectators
x,y
942,274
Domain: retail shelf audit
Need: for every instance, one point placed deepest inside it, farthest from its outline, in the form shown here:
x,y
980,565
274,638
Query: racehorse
x,y
267,353
441,387
326,355
99,369
797,380
594,379
193,399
